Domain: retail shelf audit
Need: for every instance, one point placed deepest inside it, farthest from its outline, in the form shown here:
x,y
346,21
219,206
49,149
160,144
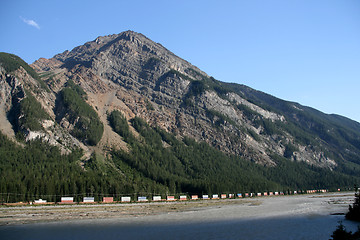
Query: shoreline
x,y
288,205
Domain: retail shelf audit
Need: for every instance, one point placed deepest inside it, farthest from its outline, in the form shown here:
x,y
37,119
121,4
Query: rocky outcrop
x,y
8,86
14,87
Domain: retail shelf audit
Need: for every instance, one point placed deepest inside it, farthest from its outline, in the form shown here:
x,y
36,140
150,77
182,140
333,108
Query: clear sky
x,y
306,51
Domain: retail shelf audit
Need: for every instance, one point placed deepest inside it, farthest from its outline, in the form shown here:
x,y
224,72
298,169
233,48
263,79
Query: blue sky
x,y
299,50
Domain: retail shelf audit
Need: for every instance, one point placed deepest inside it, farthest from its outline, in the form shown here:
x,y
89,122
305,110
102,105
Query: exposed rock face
x,y
131,73
44,64
13,89
8,87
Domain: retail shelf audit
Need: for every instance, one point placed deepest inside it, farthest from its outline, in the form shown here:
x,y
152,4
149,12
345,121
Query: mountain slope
x,y
169,92
78,91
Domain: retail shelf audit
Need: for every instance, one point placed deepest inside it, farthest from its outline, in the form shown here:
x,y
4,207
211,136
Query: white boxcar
x,y
156,198
40,201
67,199
125,199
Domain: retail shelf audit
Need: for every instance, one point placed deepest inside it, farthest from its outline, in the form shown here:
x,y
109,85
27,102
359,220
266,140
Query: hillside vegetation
x,y
73,106
11,63
27,115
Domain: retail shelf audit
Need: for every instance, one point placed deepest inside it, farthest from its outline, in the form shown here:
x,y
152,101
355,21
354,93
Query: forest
x,y
157,162
41,171
197,167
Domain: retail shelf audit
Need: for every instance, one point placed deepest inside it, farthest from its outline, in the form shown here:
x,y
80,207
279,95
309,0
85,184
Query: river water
x,y
299,217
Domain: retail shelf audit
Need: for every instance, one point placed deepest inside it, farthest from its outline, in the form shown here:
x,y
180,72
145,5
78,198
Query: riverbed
x,y
278,217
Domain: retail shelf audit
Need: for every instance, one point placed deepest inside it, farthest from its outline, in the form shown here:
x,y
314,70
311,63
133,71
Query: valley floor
x,y
201,210
273,218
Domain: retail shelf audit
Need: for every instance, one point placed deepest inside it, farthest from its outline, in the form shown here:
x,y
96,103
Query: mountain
x,y
123,96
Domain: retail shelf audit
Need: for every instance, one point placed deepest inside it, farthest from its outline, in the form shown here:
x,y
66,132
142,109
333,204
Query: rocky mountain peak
x,y
131,73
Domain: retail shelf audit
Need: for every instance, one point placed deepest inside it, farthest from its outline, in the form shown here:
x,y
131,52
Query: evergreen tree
x,y
354,210
341,234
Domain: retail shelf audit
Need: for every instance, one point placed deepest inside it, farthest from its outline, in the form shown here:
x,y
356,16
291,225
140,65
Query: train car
x,y
108,199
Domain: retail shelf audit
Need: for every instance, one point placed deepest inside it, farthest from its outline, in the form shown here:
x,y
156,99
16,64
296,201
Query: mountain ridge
x,y
141,79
